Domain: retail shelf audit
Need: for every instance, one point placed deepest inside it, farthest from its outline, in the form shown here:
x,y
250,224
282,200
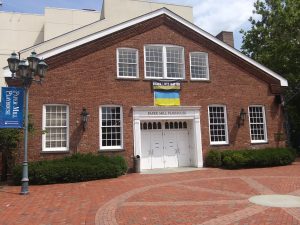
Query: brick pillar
x,y
226,37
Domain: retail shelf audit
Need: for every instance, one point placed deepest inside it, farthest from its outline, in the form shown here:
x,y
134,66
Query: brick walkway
x,y
206,197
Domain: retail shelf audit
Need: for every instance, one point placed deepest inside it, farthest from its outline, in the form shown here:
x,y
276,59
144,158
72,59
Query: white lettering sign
x,y
166,113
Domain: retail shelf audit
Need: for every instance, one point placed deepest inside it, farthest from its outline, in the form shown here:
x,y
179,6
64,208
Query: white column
x,y
137,137
198,141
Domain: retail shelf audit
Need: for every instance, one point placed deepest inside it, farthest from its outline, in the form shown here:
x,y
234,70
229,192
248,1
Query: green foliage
x,y
274,40
235,159
213,159
9,138
75,168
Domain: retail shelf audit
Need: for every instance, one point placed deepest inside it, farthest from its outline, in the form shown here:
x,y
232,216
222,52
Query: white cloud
x,y
215,16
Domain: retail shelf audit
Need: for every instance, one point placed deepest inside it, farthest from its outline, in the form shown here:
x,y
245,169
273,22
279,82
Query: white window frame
x,y
226,142
265,125
137,63
207,66
164,58
44,148
111,148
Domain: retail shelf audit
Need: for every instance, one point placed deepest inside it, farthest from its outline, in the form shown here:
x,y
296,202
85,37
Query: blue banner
x,y
12,104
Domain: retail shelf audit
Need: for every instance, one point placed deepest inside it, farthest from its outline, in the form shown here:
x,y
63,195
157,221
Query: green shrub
x,y
119,160
257,158
75,168
213,159
235,159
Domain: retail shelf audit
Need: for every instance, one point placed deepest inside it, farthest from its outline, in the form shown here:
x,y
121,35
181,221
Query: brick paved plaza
x,y
207,197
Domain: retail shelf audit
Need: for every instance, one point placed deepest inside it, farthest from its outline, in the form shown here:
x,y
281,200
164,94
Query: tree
x,y
9,140
274,41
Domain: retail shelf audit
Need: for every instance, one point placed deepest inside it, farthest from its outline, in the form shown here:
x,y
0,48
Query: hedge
x,y
75,168
235,159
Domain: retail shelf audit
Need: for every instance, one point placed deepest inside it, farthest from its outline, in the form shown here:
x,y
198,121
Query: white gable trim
x,y
143,18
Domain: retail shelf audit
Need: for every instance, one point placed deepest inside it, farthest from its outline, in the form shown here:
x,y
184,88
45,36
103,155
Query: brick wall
x,y
89,81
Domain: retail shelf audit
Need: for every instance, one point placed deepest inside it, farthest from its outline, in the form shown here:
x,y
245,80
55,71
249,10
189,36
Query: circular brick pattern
x,y
282,201
205,201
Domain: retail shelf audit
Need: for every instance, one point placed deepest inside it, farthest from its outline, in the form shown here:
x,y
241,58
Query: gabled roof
x,y
135,21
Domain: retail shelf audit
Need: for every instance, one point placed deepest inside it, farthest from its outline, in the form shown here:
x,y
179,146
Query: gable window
x,y
218,125
257,122
127,63
199,66
56,126
111,127
164,62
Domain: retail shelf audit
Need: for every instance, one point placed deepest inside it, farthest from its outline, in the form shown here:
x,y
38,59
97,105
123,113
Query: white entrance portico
x,y
167,137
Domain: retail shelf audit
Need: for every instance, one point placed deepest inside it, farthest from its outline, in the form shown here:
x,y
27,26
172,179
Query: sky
x,y
212,16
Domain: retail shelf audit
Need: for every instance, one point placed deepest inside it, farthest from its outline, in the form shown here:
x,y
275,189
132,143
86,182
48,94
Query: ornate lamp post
x,y
33,71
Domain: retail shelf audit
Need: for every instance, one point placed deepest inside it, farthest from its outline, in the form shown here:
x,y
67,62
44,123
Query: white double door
x,y
165,145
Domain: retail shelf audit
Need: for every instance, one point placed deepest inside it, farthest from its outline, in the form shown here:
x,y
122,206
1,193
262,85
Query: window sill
x,y
259,143
55,152
204,81
221,144
128,78
111,150
164,79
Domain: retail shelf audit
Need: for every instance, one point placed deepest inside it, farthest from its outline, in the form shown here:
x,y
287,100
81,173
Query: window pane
x,y
174,70
257,123
154,53
56,127
154,69
175,62
127,63
159,57
111,126
199,65
217,124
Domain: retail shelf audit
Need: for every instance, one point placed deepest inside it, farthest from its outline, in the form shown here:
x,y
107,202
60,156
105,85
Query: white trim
x,y
103,148
150,113
206,58
164,61
137,63
148,16
44,148
265,125
226,126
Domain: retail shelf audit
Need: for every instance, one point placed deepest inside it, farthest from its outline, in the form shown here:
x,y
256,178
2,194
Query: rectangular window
x,y
164,62
111,127
56,126
199,66
127,60
257,124
218,125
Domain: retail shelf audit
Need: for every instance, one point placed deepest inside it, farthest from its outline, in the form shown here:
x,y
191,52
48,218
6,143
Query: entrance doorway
x,y
165,144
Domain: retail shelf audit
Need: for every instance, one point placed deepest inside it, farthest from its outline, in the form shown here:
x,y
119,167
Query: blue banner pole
x,y
25,179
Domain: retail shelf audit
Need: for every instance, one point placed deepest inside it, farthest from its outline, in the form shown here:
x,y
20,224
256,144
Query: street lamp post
x,y
27,73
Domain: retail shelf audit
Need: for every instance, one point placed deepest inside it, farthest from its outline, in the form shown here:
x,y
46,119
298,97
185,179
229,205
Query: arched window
x,y
154,126
166,125
159,125
176,125
144,126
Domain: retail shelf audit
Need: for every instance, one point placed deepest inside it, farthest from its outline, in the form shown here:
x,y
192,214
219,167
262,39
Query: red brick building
x,y
110,73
